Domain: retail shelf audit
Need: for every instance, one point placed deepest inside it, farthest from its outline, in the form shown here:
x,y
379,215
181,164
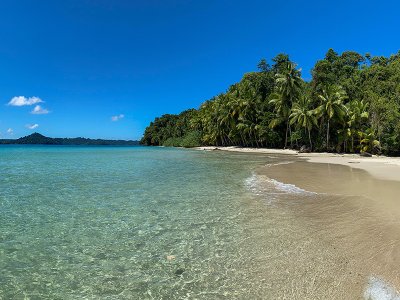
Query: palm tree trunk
x,y
255,138
327,137
352,142
379,135
230,141
245,143
309,138
251,140
286,136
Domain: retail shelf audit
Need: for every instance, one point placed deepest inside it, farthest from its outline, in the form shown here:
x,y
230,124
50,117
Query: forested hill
x,y
352,104
38,139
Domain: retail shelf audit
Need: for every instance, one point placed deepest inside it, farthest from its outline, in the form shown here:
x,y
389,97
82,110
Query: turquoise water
x,y
99,223
163,223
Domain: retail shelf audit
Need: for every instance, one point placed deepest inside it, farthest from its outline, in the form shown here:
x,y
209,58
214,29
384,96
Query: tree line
x,y
38,139
351,104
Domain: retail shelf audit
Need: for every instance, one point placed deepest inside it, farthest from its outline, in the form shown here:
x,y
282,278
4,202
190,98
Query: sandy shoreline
x,y
381,167
346,211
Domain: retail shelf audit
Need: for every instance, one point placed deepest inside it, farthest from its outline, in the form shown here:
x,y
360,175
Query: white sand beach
x,y
381,167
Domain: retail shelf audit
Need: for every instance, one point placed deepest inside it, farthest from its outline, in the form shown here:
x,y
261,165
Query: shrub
x,y
192,139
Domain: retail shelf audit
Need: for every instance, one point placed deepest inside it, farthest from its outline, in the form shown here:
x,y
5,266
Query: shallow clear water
x,y
99,222
162,223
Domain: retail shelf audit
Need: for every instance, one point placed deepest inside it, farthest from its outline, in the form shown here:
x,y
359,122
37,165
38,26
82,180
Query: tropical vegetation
x,y
351,104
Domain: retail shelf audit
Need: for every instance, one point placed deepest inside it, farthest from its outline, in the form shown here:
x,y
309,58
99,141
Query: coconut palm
x,y
303,116
289,85
357,115
289,82
282,111
332,106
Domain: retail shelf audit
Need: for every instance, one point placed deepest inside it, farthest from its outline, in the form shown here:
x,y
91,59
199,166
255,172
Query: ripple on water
x,y
148,223
89,222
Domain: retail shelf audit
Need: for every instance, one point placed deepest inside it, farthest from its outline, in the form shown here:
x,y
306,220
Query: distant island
x,y
39,139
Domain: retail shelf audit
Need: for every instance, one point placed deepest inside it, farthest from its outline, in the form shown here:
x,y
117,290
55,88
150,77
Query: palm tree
x,y
282,110
289,85
289,81
236,111
357,113
303,116
332,106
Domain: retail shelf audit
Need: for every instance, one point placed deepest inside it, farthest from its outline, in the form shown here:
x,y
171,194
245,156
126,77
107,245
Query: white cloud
x,y
38,110
117,117
10,131
32,126
22,101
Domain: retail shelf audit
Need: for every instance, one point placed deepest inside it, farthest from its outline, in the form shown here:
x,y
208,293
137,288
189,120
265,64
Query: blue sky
x,y
90,60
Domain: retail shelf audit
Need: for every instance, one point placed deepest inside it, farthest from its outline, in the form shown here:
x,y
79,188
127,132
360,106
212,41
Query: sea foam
x,y
263,185
280,163
378,289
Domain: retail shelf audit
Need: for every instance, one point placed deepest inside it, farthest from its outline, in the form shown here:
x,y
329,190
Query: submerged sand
x,y
348,233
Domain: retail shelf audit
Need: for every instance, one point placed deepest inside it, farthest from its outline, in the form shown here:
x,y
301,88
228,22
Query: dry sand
x,y
381,167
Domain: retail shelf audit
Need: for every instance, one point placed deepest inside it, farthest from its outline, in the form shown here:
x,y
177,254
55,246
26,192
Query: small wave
x,y
263,185
279,163
289,188
378,289
253,183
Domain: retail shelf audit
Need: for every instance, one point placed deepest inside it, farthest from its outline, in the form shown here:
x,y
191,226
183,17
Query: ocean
x,y
165,223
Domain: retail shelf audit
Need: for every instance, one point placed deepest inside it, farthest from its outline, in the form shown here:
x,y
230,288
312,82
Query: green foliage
x,y
352,104
332,107
168,126
190,140
304,116
173,142
368,143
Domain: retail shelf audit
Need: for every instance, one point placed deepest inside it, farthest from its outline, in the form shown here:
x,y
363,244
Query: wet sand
x,y
354,214
341,224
